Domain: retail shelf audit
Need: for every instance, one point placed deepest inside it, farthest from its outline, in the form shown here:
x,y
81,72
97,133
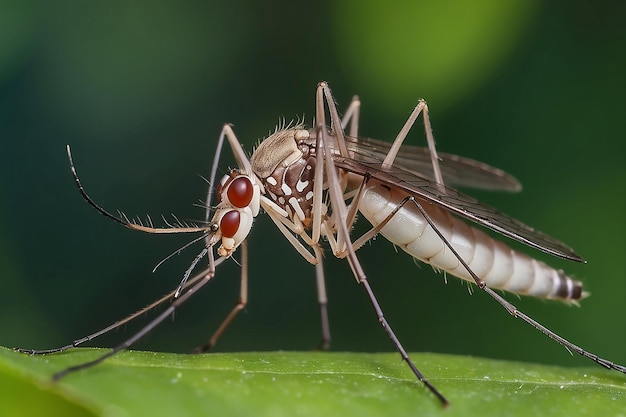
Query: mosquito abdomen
x,y
491,260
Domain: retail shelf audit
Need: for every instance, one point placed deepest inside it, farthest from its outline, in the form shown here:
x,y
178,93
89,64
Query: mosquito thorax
x,y
280,148
285,164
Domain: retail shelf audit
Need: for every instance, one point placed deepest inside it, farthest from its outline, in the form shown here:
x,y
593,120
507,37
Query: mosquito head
x,y
239,198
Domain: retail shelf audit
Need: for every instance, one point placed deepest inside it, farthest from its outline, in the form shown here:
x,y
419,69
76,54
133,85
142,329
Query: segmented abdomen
x,y
491,260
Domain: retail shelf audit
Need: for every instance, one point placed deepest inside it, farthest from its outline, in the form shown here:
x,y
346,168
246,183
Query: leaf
x,y
136,383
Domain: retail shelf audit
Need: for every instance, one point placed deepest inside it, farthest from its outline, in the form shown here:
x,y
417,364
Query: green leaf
x,y
299,384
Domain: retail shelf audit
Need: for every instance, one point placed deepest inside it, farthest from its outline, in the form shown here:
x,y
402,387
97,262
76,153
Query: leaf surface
x,y
138,384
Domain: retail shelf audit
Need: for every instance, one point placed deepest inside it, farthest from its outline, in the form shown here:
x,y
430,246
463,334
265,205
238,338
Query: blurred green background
x,y
140,90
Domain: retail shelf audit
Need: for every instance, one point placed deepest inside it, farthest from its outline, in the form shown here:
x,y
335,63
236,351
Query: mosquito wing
x,y
456,170
465,206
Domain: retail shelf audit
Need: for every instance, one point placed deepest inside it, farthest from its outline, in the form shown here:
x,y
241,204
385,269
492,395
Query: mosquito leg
x,y
394,339
281,222
240,156
421,107
241,304
324,154
568,345
191,267
513,310
349,221
213,174
145,330
354,205
375,230
338,204
322,299
431,145
286,227
351,218
318,182
324,94
119,323
352,114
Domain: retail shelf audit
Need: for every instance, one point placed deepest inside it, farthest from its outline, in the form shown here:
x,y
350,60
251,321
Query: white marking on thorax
x,y
301,185
296,207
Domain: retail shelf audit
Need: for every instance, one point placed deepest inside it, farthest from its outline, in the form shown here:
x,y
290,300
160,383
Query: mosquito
x,y
313,183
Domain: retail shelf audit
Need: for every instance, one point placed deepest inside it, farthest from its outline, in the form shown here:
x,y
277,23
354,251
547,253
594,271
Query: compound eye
x,y
240,192
229,223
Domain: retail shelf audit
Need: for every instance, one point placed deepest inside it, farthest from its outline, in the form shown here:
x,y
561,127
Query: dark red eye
x,y
240,192
229,224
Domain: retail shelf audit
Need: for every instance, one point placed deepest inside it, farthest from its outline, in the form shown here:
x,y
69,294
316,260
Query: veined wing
x,y
456,170
458,203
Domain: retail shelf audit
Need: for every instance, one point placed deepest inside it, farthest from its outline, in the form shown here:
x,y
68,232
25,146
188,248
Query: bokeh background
x,y
140,90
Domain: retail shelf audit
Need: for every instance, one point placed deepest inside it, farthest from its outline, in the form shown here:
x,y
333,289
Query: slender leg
x,y
375,230
318,189
282,223
241,304
285,226
118,324
339,204
512,309
145,330
322,299
421,107
351,219
340,212
323,92
240,156
352,114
